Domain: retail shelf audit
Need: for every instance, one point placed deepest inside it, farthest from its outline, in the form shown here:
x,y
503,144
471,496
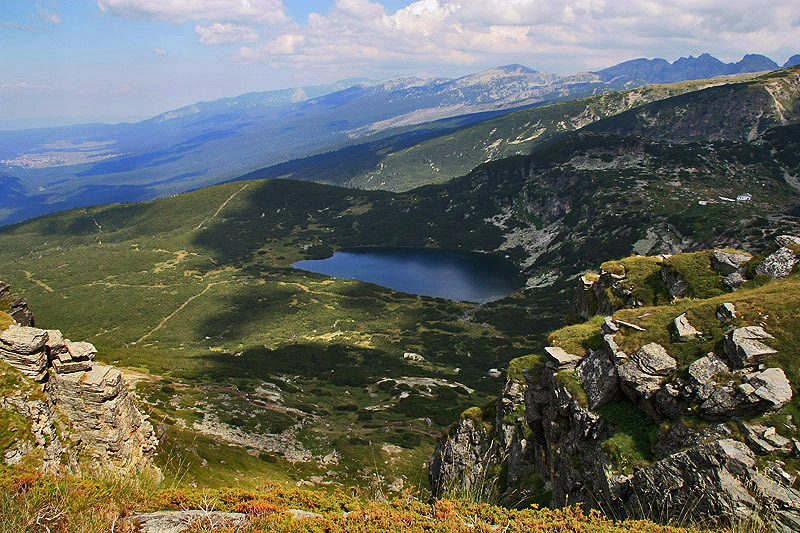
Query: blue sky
x,y
67,61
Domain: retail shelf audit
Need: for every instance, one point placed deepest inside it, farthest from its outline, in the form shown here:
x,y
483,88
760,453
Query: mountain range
x,y
209,142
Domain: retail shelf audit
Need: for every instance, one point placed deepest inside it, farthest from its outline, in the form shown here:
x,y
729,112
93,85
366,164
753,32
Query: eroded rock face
x,y
17,307
468,459
104,417
599,377
464,461
88,400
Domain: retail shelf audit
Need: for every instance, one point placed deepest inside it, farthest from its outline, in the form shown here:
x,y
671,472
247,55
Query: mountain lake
x,y
455,275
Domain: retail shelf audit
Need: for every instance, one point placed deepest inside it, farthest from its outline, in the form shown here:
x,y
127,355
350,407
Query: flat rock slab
x,y
23,339
180,521
629,325
561,358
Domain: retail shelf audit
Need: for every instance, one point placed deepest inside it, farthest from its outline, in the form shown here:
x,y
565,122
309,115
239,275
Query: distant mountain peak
x,y
705,65
792,61
516,68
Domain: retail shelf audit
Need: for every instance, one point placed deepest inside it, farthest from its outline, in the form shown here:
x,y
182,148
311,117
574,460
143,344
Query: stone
x,y
684,329
629,325
189,520
609,327
705,368
559,358
653,359
80,350
643,374
734,281
728,262
494,373
611,346
676,285
71,366
786,240
726,311
56,345
778,264
415,357
599,377
765,440
23,339
771,386
104,418
744,348
33,365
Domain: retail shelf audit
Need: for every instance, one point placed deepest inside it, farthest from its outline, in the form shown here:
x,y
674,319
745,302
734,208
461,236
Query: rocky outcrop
x,y
603,294
779,264
474,454
17,308
103,418
466,461
82,403
700,465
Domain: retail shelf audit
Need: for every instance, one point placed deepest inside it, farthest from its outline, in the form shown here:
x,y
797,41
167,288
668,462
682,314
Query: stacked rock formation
x,y
89,399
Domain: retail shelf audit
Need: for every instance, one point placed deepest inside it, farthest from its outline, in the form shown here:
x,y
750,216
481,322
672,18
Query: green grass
x,y
631,444
572,383
642,277
578,338
695,269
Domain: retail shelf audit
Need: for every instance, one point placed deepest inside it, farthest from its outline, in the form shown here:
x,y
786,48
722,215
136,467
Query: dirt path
x,y
36,281
220,208
175,312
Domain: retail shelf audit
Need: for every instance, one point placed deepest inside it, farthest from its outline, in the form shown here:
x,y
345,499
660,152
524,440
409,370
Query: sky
x,y
71,61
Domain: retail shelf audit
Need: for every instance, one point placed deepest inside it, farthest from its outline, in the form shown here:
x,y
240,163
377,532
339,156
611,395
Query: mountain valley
x,y
253,373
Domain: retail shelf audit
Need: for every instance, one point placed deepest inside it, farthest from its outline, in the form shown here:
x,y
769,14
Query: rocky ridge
x,y
715,448
82,415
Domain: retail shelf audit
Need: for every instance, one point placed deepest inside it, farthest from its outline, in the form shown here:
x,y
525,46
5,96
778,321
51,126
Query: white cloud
x,y
247,11
219,33
12,26
22,85
49,15
588,33
159,51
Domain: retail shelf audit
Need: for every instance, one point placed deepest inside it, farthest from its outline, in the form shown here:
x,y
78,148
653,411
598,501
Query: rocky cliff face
x,y
708,443
82,415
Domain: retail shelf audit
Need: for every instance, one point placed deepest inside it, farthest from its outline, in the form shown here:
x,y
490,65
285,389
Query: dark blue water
x,y
463,276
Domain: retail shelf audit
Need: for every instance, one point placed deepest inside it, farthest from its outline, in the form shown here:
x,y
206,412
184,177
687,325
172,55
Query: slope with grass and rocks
x,y
675,407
